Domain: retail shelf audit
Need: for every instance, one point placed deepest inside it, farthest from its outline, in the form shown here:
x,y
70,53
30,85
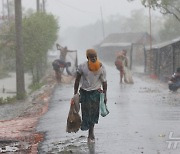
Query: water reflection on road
x,y
141,117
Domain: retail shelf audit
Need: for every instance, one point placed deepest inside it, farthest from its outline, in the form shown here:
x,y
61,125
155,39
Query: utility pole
x,y
8,11
150,27
20,86
3,9
152,69
44,5
102,22
37,5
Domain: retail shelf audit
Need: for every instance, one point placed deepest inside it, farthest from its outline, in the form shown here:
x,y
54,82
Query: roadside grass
x,y
7,100
4,74
35,86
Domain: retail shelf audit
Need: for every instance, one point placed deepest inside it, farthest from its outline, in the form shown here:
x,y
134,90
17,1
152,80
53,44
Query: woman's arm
x,y
71,50
126,61
76,84
59,47
104,85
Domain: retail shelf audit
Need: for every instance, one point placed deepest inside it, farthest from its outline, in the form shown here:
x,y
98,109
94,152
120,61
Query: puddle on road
x,y
74,145
148,90
8,146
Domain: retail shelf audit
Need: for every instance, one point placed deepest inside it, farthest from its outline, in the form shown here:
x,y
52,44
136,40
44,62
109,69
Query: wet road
x,y
140,120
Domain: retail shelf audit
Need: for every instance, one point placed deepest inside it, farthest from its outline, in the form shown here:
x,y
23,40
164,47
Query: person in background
x,y
93,75
58,66
122,65
174,82
63,52
121,62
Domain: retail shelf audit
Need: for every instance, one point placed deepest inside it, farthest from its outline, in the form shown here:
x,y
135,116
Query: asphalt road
x,y
141,118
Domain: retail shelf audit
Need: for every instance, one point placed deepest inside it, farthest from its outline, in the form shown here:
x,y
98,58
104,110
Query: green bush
x,y
39,34
7,100
35,86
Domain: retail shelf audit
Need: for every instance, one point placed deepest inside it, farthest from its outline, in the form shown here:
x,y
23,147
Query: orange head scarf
x,y
93,66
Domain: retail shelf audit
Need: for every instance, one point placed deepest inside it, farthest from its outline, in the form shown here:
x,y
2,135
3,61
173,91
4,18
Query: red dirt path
x,y
20,132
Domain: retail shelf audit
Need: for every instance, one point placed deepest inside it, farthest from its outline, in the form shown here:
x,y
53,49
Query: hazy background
x,y
82,12
80,21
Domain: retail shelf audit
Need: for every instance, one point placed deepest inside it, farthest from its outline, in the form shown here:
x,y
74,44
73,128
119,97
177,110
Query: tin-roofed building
x,y
134,43
163,58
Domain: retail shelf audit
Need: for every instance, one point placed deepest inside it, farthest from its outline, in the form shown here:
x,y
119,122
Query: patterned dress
x,y
90,94
90,108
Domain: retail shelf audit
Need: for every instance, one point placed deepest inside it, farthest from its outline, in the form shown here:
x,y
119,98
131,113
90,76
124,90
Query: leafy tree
x,y
166,6
137,22
40,33
170,29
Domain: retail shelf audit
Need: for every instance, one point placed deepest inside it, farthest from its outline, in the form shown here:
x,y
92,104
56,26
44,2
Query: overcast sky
x,y
83,12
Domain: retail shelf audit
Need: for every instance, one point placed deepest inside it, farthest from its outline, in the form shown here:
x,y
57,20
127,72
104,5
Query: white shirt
x,y
91,80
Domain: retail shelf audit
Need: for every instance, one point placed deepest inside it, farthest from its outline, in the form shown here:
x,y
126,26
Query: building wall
x,y
163,61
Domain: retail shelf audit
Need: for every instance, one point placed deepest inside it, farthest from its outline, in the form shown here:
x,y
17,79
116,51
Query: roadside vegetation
x,y
7,100
39,34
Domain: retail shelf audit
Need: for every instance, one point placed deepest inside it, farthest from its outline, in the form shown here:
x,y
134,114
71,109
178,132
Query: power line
x,y
70,6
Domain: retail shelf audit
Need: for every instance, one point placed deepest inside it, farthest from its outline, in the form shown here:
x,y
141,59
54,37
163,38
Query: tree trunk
x,y
20,86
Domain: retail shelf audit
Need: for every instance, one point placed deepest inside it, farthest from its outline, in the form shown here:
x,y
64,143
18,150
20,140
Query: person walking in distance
x,y
63,52
58,66
121,62
93,75
122,65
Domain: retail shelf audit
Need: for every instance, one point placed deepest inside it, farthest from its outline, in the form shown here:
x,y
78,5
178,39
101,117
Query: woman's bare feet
x,y
91,137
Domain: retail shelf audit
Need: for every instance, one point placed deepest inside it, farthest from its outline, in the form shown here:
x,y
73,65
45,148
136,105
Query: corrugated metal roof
x,y
141,37
164,44
115,44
